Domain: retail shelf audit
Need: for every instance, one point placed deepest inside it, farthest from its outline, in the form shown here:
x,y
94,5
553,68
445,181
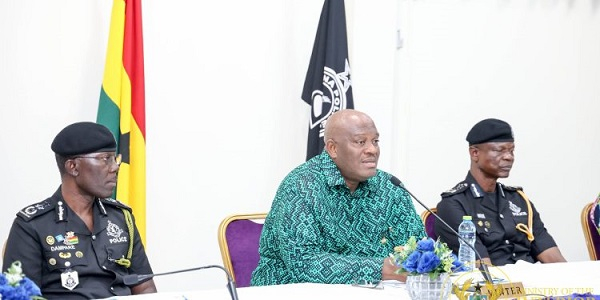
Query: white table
x,y
557,279
302,291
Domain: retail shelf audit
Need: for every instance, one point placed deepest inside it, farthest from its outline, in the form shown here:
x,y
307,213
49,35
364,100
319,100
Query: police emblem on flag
x,y
331,98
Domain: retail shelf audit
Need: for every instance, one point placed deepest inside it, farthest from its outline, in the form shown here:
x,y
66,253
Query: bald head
x,y
352,142
339,122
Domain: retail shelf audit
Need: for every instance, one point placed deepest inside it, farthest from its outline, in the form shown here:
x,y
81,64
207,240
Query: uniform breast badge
x,y
70,279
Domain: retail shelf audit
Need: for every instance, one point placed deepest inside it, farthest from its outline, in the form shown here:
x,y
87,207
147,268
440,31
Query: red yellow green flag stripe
x,y
122,107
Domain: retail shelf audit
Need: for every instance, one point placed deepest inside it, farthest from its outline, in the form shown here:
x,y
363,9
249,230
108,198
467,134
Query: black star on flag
x,y
327,87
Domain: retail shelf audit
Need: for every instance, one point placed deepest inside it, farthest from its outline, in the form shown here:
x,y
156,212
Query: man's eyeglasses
x,y
107,159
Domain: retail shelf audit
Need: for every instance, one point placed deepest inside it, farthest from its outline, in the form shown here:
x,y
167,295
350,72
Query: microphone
x,y
133,279
485,272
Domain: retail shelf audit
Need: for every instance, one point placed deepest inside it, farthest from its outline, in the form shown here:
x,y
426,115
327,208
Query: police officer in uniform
x,y
509,228
79,243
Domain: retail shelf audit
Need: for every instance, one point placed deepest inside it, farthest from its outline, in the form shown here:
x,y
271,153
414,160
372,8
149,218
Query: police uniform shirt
x,y
497,235
50,239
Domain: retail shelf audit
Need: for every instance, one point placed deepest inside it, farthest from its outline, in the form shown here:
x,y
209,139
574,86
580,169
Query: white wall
x,y
225,121
532,63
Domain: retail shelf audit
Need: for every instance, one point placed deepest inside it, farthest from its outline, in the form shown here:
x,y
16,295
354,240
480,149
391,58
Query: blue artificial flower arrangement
x,y
425,257
15,286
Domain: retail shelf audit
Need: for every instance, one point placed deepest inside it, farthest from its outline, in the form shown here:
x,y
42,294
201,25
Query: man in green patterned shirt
x,y
336,218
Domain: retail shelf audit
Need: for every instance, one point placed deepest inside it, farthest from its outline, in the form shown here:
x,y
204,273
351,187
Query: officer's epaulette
x,y
511,188
459,188
32,211
113,202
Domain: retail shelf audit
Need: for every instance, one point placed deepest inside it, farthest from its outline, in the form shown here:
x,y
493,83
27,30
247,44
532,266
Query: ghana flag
x,y
122,107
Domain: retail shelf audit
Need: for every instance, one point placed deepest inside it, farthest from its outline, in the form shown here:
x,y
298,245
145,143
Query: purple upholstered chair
x,y
590,231
429,221
238,240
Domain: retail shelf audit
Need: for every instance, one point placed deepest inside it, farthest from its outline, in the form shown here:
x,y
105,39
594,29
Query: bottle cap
x,y
467,218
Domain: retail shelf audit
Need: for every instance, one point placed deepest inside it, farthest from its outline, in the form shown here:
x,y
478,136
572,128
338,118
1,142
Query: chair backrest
x,y
429,221
590,232
238,240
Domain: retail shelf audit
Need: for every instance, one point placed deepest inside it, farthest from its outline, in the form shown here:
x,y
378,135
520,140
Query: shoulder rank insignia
x,y
35,210
511,188
459,188
113,202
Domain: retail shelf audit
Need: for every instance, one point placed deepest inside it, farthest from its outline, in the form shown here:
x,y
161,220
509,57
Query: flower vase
x,y
422,287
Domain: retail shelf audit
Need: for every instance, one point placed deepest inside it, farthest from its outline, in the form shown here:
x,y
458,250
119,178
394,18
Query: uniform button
x,y
112,288
67,264
104,267
94,237
501,216
507,242
486,230
514,255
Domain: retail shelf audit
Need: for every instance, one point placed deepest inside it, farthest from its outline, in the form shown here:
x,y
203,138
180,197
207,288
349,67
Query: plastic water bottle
x,y
466,255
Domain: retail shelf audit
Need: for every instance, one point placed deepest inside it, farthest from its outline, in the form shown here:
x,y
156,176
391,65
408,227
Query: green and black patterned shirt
x,y
318,231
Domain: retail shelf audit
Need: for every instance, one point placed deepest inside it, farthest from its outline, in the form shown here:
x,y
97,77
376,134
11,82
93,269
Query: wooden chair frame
x,y
587,231
224,247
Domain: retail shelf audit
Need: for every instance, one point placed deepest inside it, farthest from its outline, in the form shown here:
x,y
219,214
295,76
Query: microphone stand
x,y
485,272
134,279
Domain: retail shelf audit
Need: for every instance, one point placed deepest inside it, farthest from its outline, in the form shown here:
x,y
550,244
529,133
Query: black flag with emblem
x,y
327,87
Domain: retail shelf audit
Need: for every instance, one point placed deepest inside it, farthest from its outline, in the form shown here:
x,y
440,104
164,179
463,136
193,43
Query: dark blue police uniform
x,y
496,216
51,242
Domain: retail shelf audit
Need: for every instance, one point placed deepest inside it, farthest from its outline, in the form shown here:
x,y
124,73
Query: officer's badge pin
x,y
480,223
50,240
69,279
60,238
71,238
79,254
